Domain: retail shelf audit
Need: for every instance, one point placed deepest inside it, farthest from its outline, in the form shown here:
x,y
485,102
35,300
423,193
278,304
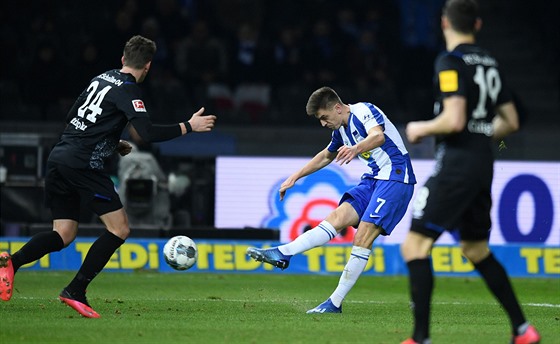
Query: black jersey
x,y
472,72
98,118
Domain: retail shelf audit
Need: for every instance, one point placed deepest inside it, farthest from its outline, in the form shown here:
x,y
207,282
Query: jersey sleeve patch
x,y
448,81
138,105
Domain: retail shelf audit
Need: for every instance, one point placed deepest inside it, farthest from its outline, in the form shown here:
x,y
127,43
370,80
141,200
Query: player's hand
x,y
123,148
346,154
413,132
201,123
288,183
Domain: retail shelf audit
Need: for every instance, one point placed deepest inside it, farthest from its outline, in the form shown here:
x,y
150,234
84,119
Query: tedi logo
x,y
308,203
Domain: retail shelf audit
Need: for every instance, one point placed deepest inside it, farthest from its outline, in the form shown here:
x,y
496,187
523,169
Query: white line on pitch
x,y
544,305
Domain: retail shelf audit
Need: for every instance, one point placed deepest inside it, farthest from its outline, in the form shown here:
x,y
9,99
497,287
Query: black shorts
x,y
66,189
451,202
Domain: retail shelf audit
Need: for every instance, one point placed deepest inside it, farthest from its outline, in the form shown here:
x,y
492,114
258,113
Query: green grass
x,y
146,307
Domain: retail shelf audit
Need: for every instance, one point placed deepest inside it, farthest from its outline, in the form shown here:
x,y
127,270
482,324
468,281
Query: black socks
x,y
96,259
421,280
499,284
39,245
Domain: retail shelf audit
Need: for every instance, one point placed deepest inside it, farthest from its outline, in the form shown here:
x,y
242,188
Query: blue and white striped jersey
x,y
390,161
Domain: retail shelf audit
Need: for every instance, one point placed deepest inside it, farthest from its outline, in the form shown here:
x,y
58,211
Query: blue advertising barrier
x,y
224,256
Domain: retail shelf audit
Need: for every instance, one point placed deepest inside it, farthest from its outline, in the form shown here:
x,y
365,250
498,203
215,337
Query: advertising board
x,y
525,195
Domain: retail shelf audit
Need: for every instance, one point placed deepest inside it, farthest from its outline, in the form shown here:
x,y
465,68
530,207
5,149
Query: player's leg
x,y
495,277
385,208
342,217
63,233
475,234
359,256
102,249
97,257
499,284
98,191
64,204
415,251
438,205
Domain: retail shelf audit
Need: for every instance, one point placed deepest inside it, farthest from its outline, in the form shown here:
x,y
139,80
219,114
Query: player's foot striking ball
x,y
271,256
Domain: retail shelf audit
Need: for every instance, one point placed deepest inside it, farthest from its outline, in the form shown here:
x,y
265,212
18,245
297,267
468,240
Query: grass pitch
x,y
147,307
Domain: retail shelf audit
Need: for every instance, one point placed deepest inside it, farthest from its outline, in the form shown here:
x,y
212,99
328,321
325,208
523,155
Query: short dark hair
x,y
321,99
462,15
138,51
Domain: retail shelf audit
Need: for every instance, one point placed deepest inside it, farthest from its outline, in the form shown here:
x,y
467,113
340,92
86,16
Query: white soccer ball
x,y
180,252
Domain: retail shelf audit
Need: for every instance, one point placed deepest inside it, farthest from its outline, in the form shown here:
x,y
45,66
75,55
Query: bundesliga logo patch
x,y
138,105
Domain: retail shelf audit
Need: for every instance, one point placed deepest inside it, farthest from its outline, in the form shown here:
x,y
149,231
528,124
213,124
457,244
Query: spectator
x,y
288,57
250,72
201,60
46,70
249,55
323,56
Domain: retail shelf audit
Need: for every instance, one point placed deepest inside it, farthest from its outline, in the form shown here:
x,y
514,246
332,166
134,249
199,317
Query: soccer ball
x,y
180,252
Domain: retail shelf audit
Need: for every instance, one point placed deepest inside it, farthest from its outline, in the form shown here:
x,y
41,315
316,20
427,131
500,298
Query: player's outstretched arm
x,y
199,123
322,159
288,183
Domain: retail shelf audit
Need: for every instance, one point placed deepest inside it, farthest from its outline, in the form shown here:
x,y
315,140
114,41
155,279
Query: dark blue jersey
x,y
471,72
98,118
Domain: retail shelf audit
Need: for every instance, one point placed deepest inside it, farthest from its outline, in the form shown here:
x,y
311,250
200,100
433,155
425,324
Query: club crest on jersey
x,y
138,105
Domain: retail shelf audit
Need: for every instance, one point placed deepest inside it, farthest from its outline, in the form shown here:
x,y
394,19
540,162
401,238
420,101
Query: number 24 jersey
x,y
96,121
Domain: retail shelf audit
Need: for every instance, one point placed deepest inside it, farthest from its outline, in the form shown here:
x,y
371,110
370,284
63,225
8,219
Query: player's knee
x,y
415,246
475,251
67,233
366,234
343,217
408,251
336,221
121,231
116,222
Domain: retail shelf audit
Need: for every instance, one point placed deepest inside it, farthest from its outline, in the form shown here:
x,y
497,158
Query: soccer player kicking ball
x,y
375,206
75,170
473,108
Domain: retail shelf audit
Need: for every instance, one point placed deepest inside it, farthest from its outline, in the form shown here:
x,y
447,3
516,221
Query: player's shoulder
x,y
365,109
359,108
361,112
449,59
364,113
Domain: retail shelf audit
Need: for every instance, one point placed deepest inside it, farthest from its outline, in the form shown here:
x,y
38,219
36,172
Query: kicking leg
x,y
339,219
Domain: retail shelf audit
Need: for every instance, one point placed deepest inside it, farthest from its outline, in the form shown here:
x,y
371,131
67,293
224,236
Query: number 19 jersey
x,y
472,72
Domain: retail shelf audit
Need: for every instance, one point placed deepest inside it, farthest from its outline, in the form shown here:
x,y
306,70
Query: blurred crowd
x,y
248,61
